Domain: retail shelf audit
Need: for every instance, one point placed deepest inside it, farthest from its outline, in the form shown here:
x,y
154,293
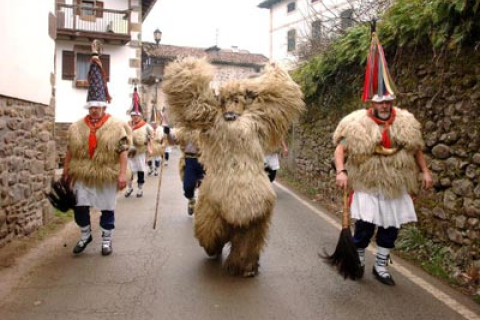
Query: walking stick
x,y
158,192
345,258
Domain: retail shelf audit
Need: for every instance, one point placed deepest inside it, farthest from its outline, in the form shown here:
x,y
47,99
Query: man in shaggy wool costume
x,y
248,118
142,141
158,148
191,170
96,159
384,147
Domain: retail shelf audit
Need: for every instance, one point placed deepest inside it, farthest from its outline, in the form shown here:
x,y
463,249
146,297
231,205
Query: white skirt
x,y
102,198
377,209
272,161
137,163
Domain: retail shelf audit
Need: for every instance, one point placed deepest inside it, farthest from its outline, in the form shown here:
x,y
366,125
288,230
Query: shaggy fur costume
x,y
105,164
375,173
141,136
158,143
250,116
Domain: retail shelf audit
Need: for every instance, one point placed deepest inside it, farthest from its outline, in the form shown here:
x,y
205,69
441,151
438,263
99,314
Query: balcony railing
x,y
77,20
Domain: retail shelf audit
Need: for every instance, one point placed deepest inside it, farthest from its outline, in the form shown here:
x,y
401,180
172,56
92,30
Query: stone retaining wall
x,y
27,163
444,95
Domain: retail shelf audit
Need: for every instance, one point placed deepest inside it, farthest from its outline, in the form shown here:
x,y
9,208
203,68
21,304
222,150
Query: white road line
x,y
439,295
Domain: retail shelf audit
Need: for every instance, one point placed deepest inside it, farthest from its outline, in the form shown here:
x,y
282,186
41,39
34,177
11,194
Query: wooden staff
x,y
158,192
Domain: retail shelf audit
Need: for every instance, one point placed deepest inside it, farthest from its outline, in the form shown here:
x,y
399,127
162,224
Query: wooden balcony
x,y
81,23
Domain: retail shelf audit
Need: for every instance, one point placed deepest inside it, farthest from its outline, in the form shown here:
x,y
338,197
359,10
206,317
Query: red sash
x,y
92,137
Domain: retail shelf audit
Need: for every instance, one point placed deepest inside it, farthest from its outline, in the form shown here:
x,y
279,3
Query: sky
x,y
205,23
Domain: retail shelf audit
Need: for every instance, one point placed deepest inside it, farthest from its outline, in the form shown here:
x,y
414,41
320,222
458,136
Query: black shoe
x,y
106,248
81,245
385,278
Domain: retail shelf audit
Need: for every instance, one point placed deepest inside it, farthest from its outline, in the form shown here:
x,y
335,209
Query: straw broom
x,y
345,258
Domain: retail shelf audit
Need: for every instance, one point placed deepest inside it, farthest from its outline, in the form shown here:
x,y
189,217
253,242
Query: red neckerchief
x,y
139,124
386,125
92,138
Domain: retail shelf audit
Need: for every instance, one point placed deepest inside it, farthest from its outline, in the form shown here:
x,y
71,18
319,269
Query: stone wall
x,y
60,133
27,163
444,94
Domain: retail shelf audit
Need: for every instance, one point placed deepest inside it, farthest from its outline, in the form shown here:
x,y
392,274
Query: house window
x,y
88,9
346,17
82,65
89,4
75,66
291,40
290,7
316,29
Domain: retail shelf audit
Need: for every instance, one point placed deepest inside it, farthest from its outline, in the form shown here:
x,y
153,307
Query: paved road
x,y
164,274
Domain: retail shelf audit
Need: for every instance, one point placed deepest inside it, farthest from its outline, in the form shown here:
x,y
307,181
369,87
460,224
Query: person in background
x,y
158,147
142,137
272,162
191,170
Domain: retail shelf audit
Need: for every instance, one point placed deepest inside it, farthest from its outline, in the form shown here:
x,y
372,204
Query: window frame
x,y
291,7
291,40
70,65
93,13
316,29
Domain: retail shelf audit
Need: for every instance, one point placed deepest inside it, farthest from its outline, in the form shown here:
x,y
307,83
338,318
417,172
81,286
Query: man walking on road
x,y
96,159
384,148
142,138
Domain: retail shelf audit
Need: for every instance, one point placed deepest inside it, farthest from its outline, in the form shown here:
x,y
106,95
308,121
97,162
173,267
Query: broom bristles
x,y
345,257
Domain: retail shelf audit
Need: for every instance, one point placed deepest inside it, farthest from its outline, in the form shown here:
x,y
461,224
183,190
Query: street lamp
x,y
157,35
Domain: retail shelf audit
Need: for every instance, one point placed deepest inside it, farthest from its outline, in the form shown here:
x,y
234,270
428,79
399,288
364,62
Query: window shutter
x,y
99,13
68,65
78,11
106,65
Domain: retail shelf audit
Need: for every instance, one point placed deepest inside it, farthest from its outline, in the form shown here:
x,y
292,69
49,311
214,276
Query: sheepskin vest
x,y
104,166
157,145
371,172
141,137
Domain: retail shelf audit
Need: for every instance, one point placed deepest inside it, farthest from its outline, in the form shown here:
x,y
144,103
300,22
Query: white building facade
x,y
27,51
117,23
294,23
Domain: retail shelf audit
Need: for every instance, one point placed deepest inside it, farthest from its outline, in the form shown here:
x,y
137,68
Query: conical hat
x,y
97,84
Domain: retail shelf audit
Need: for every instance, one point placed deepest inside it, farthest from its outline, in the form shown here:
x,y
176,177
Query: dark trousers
x,y
271,173
194,173
140,177
166,155
157,163
82,217
364,232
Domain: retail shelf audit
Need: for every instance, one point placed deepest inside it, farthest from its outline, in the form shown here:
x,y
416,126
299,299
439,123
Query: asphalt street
x,y
163,273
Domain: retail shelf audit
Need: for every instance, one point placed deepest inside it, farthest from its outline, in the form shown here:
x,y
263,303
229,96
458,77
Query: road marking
x,y
439,295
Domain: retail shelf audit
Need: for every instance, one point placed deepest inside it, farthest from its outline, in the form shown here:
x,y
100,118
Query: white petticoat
x,y
272,161
137,163
102,198
383,212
